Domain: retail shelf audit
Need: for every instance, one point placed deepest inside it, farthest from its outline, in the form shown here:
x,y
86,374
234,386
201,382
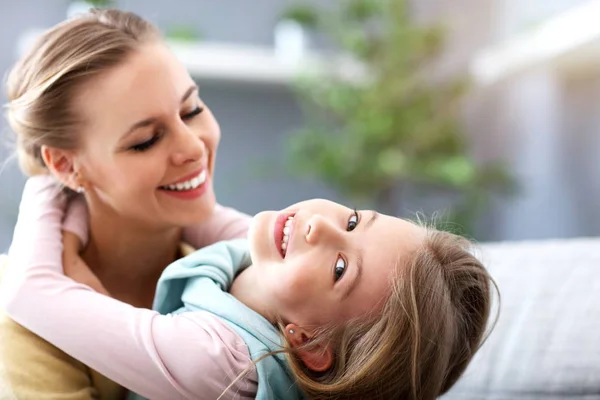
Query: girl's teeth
x,y
286,234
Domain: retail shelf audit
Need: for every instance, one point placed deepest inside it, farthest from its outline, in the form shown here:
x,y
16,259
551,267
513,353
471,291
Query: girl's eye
x,y
352,221
340,268
192,114
140,147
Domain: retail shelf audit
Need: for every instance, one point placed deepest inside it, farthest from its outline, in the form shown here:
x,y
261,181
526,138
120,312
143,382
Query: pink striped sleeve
x,y
187,356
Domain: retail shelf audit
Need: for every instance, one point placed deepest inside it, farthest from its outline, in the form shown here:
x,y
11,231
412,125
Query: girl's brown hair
x,y
423,339
43,85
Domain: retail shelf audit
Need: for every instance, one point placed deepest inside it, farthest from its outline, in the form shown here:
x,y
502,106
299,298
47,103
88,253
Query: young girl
x,y
335,303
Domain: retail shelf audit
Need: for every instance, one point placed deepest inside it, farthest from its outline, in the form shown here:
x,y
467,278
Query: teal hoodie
x,y
201,281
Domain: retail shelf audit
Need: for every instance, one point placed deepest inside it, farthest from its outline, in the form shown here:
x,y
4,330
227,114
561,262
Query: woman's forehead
x,y
150,80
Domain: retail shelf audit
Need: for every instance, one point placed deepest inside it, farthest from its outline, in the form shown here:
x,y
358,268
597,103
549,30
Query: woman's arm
x,y
224,224
30,367
191,355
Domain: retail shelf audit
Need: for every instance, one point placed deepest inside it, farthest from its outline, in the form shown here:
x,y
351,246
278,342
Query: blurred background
x,y
484,111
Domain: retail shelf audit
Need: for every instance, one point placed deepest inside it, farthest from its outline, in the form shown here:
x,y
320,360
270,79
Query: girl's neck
x,y
244,288
129,258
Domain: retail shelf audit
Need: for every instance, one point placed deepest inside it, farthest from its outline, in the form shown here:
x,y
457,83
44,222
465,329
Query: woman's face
x,y
322,262
149,143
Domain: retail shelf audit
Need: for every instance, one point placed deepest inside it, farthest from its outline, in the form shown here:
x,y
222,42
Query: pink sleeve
x,y
192,355
40,214
225,223
76,220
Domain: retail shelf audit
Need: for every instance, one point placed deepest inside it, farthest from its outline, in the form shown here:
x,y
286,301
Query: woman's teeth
x,y
188,185
287,229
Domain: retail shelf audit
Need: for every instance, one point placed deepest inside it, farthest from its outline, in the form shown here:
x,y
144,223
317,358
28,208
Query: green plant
x,y
396,132
99,3
182,32
304,14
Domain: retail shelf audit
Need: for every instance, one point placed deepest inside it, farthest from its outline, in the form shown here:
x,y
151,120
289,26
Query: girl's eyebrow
x,y
374,215
354,283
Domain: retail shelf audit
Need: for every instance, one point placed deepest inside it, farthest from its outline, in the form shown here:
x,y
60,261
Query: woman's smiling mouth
x,y
189,183
189,187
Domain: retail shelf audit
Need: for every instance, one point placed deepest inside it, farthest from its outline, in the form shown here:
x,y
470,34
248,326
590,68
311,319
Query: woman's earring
x,y
291,331
80,189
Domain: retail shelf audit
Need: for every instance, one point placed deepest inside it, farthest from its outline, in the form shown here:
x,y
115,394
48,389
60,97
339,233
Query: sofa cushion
x,y
546,344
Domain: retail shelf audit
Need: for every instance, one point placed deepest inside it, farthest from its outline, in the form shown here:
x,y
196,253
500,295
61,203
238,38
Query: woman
x,y
327,301
101,104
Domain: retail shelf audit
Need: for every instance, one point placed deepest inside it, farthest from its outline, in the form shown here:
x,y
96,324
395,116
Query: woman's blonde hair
x,y
423,339
42,86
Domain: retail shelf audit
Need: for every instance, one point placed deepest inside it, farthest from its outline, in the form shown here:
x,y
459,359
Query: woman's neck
x,y
129,258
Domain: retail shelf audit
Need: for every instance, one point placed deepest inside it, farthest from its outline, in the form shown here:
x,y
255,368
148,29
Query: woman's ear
x,y
61,165
318,358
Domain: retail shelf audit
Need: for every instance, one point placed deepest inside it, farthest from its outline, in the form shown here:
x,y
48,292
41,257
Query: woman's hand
x,y
74,266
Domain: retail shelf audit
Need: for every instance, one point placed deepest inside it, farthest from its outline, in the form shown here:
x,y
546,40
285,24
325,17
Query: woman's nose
x,y
189,147
320,229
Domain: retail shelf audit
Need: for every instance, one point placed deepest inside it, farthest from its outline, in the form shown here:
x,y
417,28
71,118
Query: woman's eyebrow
x,y
149,121
189,92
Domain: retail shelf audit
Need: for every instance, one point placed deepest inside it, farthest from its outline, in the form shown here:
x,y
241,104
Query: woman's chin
x,y
193,213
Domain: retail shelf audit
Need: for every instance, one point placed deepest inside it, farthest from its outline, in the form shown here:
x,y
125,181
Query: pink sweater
x,y
189,356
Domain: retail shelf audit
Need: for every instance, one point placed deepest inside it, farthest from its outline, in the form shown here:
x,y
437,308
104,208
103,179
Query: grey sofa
x,y
546,344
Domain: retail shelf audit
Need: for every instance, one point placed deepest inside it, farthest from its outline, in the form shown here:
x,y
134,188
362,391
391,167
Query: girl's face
x,y
321,262
149,143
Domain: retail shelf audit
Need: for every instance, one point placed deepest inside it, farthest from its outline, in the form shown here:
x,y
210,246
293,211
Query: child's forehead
x,y
392,235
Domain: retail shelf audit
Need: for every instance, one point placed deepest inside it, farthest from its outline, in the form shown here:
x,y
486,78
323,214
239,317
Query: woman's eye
x,y
140,147
192,114
352,221
340,268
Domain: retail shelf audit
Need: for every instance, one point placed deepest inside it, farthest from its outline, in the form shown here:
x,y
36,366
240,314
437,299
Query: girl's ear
x,y
317,358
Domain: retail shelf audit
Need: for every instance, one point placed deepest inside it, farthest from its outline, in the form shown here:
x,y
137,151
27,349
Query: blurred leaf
x,y
457,170
392,163
186,33
361,10
99,3
302,13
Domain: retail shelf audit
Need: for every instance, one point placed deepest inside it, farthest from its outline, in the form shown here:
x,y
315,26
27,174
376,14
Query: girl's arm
x,y
192,355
